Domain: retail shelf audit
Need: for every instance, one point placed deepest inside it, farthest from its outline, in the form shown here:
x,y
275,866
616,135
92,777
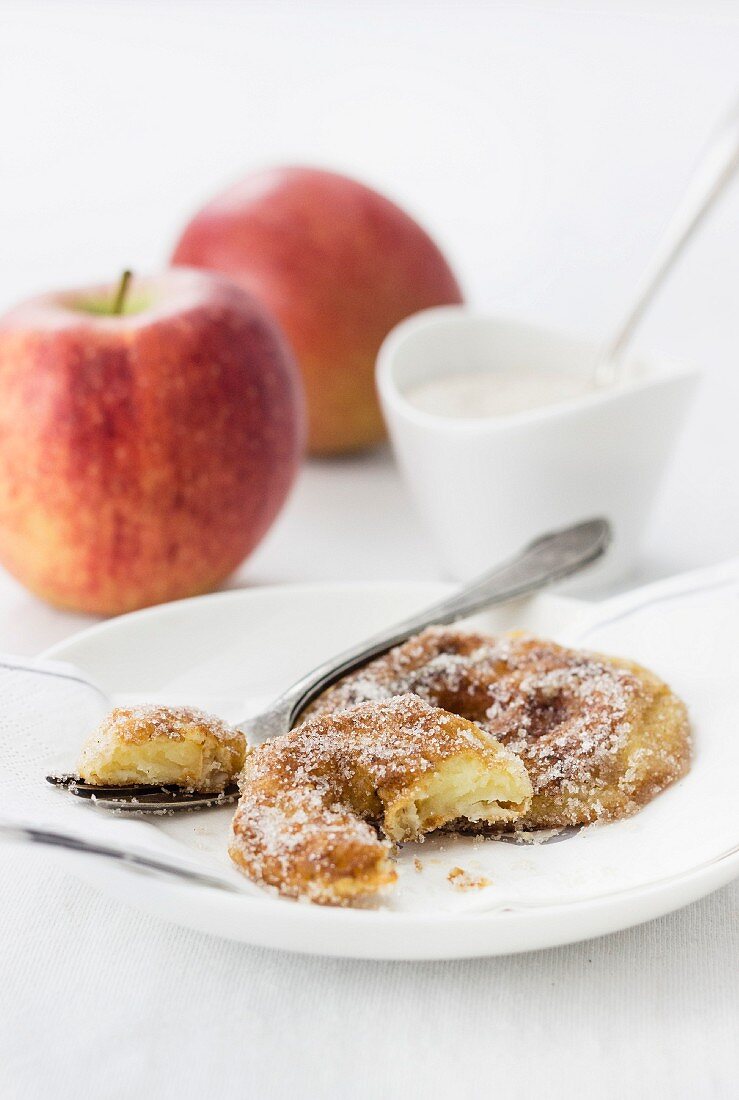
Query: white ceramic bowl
x,y
484,487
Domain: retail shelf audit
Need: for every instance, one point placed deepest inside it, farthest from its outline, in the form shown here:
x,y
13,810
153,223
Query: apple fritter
x,y
599,736
311,797
178,746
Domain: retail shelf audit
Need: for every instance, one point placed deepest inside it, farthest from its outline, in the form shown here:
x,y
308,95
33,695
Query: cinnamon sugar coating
x,y
599,736
180,746
310,798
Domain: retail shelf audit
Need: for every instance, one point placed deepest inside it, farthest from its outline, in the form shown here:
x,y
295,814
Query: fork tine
x,y
144,798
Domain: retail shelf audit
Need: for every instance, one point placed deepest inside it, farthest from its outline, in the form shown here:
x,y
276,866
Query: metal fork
x,y
548,559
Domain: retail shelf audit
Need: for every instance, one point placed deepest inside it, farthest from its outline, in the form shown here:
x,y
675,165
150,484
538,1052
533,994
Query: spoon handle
x,y
715,171
550,558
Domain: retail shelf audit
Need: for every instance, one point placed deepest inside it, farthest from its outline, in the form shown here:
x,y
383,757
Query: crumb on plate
x,y
465,880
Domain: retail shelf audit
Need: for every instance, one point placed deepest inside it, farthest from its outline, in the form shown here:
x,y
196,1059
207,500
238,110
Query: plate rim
x,y
56,650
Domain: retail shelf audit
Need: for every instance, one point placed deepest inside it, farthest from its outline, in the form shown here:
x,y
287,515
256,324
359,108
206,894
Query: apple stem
x,y
120,297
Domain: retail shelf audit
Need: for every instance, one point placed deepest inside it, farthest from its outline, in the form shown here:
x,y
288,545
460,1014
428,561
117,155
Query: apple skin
x,y
338,265
142,456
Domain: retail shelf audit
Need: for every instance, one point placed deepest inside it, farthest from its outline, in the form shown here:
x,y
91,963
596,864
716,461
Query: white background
x,y
544,145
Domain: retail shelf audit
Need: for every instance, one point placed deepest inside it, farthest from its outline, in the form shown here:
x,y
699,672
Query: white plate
x,y
232,652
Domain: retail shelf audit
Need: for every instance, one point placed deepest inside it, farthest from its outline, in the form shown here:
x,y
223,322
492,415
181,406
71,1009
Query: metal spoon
x,y
716,169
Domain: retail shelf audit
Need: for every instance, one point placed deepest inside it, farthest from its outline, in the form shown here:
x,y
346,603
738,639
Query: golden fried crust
x,y
299,843
302,824
600,737
179,746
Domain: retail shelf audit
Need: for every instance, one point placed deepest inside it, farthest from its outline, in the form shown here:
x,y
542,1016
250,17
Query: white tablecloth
x,y
546,146
92,989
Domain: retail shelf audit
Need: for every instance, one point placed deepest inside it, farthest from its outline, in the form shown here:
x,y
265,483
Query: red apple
x,y
142,455
339,266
